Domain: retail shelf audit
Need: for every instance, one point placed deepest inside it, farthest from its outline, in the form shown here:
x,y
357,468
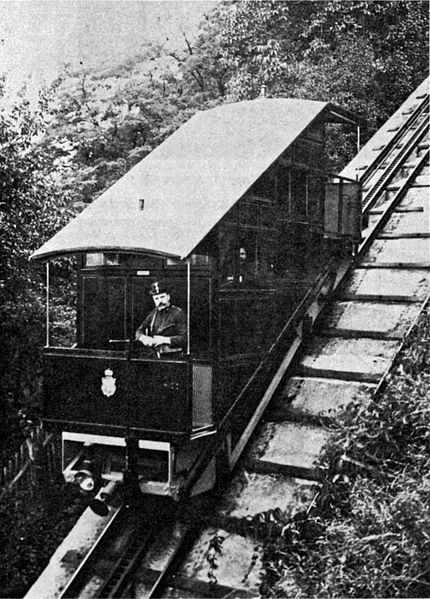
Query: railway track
x,y
132,535
149,551
393,157
348,358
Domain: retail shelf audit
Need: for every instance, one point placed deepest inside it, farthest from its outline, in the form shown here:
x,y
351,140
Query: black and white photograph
x,y
214,299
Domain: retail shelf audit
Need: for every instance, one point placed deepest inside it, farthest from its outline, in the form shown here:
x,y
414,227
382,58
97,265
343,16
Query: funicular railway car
x,y
235,214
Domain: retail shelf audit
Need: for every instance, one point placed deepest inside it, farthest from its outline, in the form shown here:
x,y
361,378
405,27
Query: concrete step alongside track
x,y
239,567
420,182
388,284
288,448
252,506
407,168
406,252
422,147
252,493
415,197
362,360
370,319
304,398
410,223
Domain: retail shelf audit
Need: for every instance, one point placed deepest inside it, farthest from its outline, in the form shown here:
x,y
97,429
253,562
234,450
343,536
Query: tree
x,y
205,64
397,33
31,209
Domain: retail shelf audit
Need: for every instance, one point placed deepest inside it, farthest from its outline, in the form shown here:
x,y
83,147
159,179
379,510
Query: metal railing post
x,y
188,304
47,304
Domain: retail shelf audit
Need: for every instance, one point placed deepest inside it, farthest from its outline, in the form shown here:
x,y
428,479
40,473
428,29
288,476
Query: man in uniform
x,y
165,327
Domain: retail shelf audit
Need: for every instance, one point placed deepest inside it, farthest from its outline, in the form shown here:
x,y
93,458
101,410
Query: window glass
x,y
284,188
227,254
228,327
285,250
94,259
315,132
141,261
201,260
267,252
301,153
317,156
298,194
249,213
111,259
200,329
173,262
316,186
264,187
248,324
200,309
248,257
267,215
103,315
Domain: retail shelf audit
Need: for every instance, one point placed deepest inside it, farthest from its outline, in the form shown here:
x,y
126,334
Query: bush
x,y
31,527
371,524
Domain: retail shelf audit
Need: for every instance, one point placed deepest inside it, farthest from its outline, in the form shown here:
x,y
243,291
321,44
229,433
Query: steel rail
x,y
123,575
161,580
125,566
395,163
74,584
116,572
403,129
383,218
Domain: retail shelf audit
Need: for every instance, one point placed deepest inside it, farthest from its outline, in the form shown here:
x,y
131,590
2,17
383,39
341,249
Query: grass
x,y
369,533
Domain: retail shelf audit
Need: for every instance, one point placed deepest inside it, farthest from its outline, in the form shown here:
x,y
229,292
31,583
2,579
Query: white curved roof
x,y
190,181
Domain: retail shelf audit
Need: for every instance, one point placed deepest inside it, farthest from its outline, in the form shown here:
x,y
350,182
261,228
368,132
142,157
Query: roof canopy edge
x,y
62,253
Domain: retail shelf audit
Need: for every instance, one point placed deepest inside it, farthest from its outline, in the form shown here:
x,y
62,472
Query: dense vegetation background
x,y
91,125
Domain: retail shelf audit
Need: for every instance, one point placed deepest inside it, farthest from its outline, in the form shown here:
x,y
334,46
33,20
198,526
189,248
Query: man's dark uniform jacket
x,y
170,322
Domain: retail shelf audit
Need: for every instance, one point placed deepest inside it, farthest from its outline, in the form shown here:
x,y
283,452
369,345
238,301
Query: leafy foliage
x,y
105,121
31,527
366,56
31,209
96,124
370,527
214,549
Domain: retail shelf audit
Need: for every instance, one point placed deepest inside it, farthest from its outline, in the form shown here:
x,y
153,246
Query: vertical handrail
x,y
188,305
190,365
47,304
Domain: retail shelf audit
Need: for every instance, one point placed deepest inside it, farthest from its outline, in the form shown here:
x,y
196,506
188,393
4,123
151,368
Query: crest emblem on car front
x,y
108,383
